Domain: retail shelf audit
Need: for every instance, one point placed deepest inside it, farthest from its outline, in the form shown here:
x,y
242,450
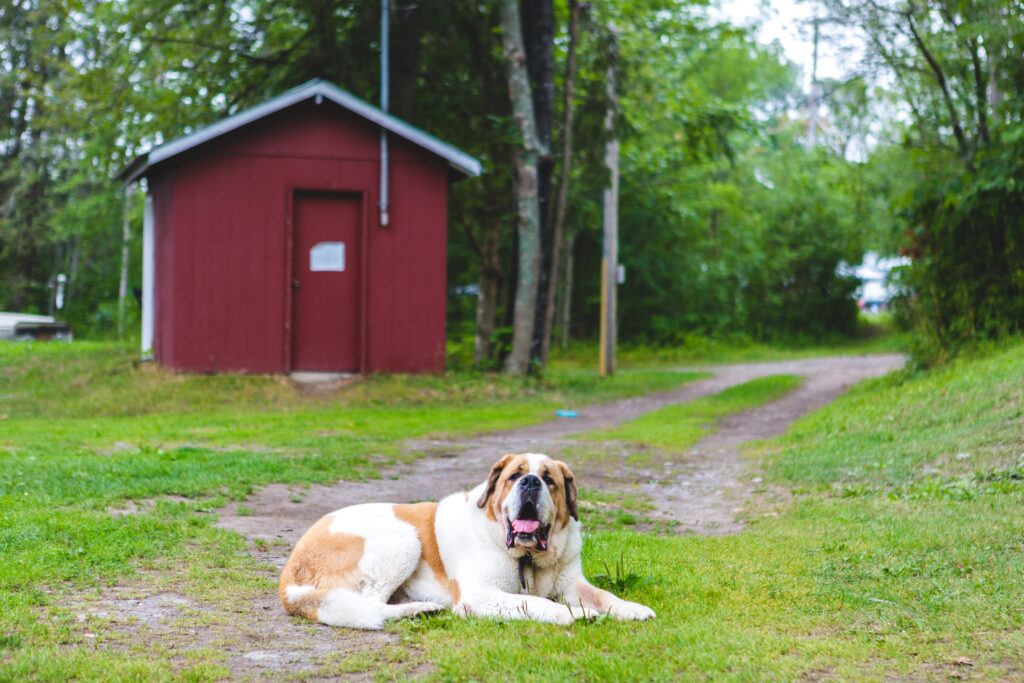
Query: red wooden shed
x,y
265,248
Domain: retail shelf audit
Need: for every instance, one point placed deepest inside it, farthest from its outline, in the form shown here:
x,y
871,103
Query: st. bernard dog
x,y
509,549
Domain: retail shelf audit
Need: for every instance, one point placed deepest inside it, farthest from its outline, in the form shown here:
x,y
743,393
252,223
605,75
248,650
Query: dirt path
x,y
707,488
697,489
700,491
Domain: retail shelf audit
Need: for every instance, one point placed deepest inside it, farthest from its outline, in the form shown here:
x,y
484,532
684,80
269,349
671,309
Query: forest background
x,y
745,193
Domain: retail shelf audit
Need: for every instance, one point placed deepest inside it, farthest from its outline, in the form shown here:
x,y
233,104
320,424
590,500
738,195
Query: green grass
x,y
957,419
680,426
84,428
604,511
893,558
96,380
896,547
839,587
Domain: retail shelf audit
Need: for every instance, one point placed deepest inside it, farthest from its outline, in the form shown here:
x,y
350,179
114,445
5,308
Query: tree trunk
x,y
511,286
562,200
76,252
538,22
487,299
980,90
995,96
526,158
566,312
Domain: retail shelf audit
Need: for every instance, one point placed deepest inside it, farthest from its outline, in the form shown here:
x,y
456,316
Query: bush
x,y
967,277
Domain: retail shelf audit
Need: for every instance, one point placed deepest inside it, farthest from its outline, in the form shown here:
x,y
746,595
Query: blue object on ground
x,y
566,413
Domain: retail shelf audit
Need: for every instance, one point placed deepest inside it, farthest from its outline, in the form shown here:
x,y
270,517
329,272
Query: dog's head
x,y
532,497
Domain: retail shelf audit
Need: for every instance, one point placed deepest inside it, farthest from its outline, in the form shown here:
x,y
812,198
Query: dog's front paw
x,y
576,612
631,611
586,613
563,616
431,607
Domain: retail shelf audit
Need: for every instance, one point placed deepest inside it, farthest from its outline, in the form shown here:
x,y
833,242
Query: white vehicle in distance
x,y
27,326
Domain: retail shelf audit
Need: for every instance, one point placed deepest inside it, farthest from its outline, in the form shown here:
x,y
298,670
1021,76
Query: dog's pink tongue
x,y
525,526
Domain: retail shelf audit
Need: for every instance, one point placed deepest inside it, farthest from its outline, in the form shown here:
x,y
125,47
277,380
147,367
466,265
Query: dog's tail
x,y
336,604
322,580
334,607
345,607
341,604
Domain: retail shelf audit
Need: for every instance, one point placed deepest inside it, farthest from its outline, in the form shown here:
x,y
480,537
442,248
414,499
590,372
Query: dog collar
x,y
524,562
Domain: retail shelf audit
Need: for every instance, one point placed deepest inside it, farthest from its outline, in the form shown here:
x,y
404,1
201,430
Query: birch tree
x,y
527,155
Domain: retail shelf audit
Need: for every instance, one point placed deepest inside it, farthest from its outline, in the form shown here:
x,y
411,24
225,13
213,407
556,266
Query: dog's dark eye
x,y
548,480
515,475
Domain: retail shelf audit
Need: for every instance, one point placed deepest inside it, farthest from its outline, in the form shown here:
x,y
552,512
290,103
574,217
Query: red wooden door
x,y
326,282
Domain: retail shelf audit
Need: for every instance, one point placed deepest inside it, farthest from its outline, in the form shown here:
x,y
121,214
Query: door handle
x,y
295,283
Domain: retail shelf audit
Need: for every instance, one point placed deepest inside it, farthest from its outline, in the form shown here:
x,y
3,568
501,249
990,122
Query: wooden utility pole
x,y
610,259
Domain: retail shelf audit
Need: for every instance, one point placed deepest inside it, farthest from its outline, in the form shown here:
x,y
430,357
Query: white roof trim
x,y
458,159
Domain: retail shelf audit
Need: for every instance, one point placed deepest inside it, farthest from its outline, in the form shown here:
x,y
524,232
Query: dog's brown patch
x,y
498,485
324,560
563,491
591,597
422,516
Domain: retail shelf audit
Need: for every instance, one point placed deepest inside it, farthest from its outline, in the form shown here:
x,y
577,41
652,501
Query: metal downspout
x,y
385,17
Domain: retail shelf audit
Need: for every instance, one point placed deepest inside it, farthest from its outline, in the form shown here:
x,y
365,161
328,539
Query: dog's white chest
x,y
534,580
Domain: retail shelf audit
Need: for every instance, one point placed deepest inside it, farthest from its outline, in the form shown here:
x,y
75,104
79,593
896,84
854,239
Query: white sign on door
x,y
327,256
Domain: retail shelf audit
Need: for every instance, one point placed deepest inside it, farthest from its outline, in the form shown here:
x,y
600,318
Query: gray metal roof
x,y
456,158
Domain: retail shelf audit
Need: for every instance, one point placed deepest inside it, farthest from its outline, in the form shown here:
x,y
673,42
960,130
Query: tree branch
x,y
980,90
954,116
891,61
191,42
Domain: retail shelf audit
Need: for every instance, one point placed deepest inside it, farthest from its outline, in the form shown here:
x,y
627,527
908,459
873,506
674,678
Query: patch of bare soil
x,y
700,491
254,641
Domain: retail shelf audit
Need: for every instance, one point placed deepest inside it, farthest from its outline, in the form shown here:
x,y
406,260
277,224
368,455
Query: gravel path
x,y
701,489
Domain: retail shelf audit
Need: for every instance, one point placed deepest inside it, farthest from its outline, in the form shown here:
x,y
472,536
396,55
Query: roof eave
x,y
133,170
456,158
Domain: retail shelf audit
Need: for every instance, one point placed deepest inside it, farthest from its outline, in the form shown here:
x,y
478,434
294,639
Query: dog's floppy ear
x,y
492,480
571,494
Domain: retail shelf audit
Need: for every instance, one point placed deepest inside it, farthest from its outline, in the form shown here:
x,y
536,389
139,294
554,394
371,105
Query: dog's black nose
x,y
531,482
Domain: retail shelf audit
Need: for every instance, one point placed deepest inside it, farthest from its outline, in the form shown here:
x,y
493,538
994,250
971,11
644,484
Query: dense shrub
x,y
967,240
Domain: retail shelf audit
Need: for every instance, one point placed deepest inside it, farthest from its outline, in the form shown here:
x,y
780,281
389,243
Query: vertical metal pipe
x,y
385,17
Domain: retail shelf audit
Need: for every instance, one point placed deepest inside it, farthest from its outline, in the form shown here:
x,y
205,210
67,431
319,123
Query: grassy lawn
x,y
898,554
895,549
83,428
